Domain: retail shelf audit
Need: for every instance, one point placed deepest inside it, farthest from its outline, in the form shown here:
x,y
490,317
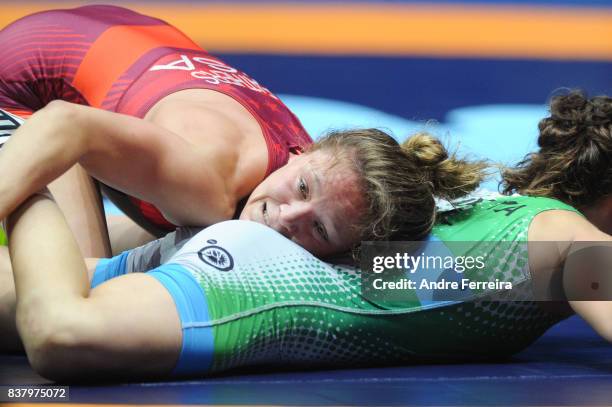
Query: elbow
x,y
50,358
57,113
57,104
50,344
62,120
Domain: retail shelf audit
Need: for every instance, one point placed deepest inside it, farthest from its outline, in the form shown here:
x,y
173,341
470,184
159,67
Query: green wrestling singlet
x,y
268,301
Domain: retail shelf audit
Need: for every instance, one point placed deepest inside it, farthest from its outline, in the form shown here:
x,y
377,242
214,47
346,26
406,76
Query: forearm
x,y
42,149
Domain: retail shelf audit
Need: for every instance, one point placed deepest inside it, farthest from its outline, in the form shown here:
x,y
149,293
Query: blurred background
x,y
476,73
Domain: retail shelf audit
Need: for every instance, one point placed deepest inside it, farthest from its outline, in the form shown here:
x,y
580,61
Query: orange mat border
x,y
382,29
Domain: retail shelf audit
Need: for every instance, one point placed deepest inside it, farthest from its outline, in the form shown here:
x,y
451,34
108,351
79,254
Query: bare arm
x,y
79,198
572,232
598,314
68,330
187,182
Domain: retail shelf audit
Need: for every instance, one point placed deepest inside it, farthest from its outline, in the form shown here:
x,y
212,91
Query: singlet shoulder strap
x,y
504,218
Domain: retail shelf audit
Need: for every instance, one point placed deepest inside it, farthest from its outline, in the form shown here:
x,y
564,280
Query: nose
x,y
294,216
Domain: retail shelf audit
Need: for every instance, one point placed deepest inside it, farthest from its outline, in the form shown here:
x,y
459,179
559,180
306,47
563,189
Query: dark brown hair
x,y
574,162
399,182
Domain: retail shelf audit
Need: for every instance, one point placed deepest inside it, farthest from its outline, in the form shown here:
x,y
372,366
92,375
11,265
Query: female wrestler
x,y
146,112
565,218
553,244
170,124
390,197
243,295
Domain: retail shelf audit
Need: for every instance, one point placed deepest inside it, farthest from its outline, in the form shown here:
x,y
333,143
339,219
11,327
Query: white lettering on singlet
x,y
214,72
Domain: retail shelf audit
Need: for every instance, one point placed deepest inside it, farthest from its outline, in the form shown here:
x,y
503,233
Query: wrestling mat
x,y
569,366
479,71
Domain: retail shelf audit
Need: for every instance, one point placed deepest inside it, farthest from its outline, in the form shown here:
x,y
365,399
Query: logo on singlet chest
x,y
216,256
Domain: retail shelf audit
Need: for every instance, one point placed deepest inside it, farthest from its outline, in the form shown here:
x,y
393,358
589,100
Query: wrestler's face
x,y
312,200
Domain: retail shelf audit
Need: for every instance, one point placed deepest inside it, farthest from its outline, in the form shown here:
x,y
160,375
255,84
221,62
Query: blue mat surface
x,y
476,100
570,365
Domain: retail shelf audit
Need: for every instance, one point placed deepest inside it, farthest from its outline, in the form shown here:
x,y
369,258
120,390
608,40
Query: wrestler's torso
x,y
122,61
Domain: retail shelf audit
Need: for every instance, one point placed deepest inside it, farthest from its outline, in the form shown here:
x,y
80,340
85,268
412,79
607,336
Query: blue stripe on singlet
x,y
107,269
198,342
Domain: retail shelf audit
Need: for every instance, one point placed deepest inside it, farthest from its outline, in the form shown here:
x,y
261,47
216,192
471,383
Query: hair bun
x,y
575,111
425,150
602,110
449,176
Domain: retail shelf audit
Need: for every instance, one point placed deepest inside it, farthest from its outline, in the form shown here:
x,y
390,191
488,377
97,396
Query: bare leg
x,y
78,196
9,338
125,234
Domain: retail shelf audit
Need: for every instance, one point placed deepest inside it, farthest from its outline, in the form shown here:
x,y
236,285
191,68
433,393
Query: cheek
x,y
277,189
246,213
255,198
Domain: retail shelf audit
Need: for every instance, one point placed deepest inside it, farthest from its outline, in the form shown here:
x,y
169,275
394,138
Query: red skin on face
x,y
308,199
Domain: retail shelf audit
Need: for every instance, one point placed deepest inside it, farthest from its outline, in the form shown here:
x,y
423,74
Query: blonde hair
x,y
399,182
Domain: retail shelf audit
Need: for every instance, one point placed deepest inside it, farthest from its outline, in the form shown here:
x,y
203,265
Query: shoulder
x,y
563,225
229,138
195,121
554,234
